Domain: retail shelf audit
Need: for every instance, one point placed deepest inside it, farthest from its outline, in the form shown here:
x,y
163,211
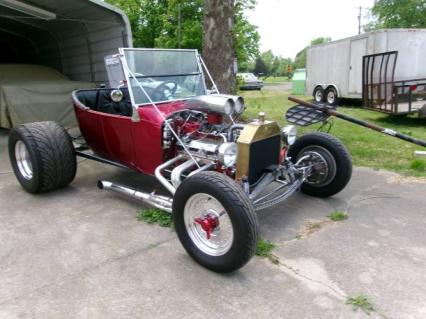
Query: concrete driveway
x,y
81,253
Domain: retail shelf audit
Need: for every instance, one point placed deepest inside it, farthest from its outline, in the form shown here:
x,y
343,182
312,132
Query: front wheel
x,y
215,221
330,162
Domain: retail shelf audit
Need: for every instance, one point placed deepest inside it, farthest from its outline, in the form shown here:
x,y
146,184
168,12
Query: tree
x,y
260,67
219,43
300,60
398,14
182,27
146,19
177,23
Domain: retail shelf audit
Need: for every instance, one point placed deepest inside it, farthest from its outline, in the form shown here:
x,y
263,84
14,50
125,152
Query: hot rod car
x,y
159,118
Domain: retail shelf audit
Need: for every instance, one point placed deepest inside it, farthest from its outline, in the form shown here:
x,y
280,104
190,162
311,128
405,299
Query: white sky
x,y
287,26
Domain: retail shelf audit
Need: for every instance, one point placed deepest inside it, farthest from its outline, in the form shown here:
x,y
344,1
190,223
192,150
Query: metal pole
x,y
359,20
371,126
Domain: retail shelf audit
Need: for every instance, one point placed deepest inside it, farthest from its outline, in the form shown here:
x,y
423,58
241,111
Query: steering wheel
x,y
160,91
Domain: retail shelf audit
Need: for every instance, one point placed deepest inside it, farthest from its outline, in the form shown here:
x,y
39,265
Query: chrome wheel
x,y
322,163
318,96
208,224
331,97
23,160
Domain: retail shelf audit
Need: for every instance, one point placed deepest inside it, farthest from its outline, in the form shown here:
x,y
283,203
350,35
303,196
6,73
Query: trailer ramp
x,y
381,92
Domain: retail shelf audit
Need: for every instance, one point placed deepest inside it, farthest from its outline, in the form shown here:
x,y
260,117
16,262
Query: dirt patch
x,y
312,226
399,179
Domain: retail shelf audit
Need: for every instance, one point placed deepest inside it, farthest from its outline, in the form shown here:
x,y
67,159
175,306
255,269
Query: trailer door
x,y
358,50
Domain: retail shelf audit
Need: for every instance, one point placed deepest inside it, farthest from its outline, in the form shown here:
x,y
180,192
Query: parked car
x,y
250,82
161,121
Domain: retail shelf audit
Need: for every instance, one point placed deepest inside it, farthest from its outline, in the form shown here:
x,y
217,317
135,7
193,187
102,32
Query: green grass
x,y
338,216
264,249
155,216
276,79
367,147
360,302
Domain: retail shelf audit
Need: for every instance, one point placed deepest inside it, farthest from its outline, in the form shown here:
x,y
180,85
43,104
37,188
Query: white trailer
x,y
386,68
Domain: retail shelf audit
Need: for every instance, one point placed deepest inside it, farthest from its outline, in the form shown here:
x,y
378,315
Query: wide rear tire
x,y
42,156
332,163
213,200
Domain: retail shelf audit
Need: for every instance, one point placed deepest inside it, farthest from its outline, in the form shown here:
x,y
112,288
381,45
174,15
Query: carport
x,y
49,48
72,37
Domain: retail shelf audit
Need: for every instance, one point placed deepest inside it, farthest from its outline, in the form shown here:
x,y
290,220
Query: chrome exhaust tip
x,y
158,201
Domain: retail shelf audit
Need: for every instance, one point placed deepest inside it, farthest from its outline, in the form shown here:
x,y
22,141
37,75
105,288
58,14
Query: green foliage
x,y
264,248
269,64
155,216
418,165
176,23
398,14
182,25
300,60
338,215
360,302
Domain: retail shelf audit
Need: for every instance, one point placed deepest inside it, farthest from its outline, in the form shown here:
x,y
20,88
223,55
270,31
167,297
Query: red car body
x,y
134,144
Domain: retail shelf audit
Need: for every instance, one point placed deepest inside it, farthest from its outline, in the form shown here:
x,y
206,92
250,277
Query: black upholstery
x,y
100,100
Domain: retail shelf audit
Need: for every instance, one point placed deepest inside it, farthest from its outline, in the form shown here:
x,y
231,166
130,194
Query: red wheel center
x,y
208,224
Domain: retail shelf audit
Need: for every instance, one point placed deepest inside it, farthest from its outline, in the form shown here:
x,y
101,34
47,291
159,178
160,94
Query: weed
x,y
338,216
360,302
155,216
264,249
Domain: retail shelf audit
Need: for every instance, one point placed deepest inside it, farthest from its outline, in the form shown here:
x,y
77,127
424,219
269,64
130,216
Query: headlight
x,y
289,134
228,154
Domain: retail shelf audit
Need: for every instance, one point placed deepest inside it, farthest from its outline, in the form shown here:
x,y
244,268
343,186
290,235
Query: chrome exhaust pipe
x,y
158,201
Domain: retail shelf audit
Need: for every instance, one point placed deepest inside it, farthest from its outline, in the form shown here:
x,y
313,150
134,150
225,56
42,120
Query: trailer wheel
x,y
215,221
42,156
319,94
331,96
330,161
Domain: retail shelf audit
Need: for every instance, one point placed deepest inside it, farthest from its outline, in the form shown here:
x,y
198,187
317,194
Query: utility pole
x,y
359,20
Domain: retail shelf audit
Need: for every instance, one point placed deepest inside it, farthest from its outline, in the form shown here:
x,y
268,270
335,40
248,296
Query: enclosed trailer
x,y
48,48
386,68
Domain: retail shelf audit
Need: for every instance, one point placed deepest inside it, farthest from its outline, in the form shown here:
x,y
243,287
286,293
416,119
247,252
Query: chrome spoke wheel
x,y
208,224
322,163
23,160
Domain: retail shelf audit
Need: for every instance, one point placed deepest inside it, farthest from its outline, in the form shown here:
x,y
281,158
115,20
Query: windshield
x,y
164,74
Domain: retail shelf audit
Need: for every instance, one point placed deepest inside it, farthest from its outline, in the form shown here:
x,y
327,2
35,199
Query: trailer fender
x,y
333,86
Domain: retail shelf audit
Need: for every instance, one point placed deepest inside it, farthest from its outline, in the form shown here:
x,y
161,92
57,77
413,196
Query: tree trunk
x,y
219,43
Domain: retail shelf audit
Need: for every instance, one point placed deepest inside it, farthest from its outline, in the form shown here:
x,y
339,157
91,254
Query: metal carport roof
x,y
72,36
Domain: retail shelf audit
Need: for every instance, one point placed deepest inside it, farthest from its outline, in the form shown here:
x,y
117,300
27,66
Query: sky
x,y
287,26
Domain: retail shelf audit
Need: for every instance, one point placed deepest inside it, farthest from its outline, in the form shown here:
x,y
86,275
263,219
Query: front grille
x,y
263,153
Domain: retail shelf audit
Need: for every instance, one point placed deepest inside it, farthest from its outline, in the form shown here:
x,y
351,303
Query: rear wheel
x,y
319,94
331,96
329,160
215,221
42,156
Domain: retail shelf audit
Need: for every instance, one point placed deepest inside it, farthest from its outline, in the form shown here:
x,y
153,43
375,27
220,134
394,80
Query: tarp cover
x,y
30,93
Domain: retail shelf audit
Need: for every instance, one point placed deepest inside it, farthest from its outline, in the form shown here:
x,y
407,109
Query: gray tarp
x,y
30,93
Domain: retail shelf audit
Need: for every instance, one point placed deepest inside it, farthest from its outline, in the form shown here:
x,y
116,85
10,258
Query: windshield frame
x,y
129,78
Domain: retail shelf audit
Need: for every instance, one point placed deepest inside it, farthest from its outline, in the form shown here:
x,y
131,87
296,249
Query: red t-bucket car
x,y
159,118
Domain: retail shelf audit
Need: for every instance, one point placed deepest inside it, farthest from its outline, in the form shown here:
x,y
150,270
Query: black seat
x,y
88,98
106,105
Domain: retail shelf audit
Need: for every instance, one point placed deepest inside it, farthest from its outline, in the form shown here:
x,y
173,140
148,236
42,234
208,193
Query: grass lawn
x,y
367,147
276,80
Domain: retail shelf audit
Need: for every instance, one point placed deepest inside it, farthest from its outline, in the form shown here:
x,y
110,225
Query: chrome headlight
x,y
116,95
289,134
228,154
